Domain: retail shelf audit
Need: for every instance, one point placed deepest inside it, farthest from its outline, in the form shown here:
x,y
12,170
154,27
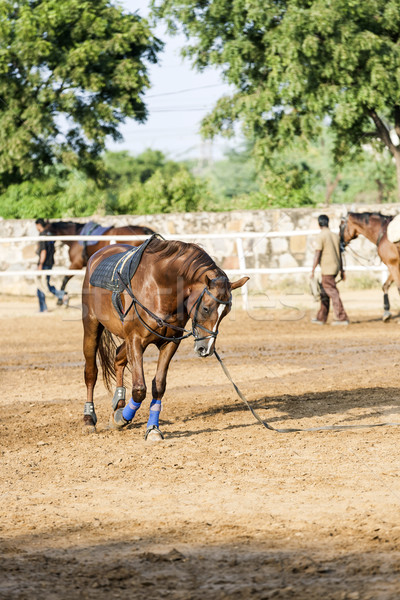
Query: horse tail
x,y
107,347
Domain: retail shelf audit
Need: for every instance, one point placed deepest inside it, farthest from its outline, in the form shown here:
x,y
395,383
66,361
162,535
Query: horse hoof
x,y
117,421
386,316
153,434
89,424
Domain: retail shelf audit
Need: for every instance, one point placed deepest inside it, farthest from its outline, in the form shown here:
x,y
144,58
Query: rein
x,y
294,429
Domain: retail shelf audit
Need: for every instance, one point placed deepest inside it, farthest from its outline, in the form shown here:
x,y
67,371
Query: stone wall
x,y
259,253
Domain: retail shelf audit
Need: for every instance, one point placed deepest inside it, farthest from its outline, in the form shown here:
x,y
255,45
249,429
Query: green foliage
x,y
181,192
232,176
70,72
56,196
30,199
148,183
293,63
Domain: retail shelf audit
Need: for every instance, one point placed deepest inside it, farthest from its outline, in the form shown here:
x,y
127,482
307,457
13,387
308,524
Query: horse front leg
x,y
167,352
124,414
386,304
92,331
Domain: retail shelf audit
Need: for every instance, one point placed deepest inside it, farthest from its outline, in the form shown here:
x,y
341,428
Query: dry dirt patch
x,y
222,509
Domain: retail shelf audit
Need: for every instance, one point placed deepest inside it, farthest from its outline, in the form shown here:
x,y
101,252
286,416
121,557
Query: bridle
x,y
162,323
195,324
343,227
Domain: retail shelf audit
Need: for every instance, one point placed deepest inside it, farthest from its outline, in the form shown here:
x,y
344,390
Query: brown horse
x,y
174,281
80,252
374,227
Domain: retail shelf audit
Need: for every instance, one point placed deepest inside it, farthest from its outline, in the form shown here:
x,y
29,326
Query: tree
x,y
71,71
164,193
294,63
144,184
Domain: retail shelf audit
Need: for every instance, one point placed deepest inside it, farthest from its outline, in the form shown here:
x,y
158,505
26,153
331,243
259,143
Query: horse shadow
x,y
338,406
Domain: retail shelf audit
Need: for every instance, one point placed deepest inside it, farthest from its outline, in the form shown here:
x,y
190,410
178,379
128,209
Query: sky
x,y
177,101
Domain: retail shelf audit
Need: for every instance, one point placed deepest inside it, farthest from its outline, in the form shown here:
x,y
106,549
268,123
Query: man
x,y
328,256
45,263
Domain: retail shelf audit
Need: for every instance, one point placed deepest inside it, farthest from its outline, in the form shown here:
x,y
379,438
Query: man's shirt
x,y
49,247
328,243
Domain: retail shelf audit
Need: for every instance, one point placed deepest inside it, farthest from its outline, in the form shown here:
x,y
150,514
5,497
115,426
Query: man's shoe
x,y
340,322
317,322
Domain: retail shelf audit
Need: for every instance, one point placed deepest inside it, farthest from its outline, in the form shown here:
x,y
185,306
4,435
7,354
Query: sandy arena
x,y
222,508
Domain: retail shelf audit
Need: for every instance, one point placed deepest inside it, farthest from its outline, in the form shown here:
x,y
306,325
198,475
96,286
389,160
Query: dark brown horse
x,y
374,227
80,252
174,281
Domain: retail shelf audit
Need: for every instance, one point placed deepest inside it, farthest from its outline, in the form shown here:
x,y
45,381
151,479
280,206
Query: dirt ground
x,y
222,508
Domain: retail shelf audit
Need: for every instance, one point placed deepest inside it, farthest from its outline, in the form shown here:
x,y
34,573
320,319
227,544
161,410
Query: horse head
x,y
347,231
207,307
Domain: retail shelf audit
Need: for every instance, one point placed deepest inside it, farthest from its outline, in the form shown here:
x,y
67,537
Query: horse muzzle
x,y
204,348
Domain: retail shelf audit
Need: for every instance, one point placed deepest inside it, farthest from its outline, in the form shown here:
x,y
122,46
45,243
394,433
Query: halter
x,y
162,323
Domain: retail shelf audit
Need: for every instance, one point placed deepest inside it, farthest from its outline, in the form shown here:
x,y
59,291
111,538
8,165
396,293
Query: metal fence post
x,y
242,267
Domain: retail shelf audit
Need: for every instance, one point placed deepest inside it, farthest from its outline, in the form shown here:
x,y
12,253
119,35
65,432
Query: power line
x,y
201,87
179,109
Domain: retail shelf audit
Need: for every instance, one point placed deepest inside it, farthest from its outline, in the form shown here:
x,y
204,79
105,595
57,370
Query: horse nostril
x,y
201,350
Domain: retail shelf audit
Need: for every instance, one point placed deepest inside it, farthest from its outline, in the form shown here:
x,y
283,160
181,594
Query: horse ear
x,y
239,283
208,281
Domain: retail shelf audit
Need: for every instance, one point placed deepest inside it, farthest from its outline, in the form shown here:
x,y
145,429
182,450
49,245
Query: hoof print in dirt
x,y
87,429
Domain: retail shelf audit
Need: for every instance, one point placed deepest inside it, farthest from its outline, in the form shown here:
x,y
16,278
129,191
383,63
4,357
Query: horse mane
x,y
195,258
365,217
58,226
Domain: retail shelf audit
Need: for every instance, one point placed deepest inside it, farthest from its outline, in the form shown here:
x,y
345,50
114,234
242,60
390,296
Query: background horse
x,y
374,227
174,281
80,252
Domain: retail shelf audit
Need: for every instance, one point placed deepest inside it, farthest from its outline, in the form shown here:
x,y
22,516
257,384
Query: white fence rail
x,y
185,236
237,236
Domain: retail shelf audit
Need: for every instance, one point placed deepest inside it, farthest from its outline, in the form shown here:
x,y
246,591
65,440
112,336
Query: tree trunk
x,y
331,187
381,190
396,155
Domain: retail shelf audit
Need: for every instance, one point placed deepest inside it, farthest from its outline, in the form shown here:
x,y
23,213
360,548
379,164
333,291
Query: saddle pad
x,y
93,228
393,230
106,276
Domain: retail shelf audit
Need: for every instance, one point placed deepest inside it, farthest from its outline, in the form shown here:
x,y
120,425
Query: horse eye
x,y
205,310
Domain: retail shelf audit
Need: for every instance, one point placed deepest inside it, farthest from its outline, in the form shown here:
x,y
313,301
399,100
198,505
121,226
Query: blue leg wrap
x,y
130,409
155,409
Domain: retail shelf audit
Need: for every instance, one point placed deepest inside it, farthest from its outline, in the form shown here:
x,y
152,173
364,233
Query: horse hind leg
x,y
124,413
118,403
386,304
64,299
91,338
